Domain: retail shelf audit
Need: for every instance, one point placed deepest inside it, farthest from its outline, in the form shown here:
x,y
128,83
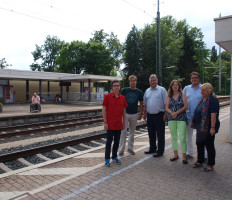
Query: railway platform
x,y
12,110
82,175
19,114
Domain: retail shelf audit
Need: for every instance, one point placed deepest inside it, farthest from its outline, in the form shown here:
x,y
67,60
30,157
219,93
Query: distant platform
x,y
13,110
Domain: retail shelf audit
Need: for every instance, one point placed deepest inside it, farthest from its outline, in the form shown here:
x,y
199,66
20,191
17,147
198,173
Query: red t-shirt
x,y
114,110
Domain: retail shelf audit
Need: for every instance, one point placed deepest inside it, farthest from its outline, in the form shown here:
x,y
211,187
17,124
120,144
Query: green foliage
x,y
132,53
72,57
100,56
45,55
181,50
214,56
211,73
112,43
3,63
98,59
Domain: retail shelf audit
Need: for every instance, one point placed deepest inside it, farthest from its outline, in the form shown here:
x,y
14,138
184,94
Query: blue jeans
x,y
110,135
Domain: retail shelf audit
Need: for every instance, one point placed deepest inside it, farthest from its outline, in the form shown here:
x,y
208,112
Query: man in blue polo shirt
x,y
193,94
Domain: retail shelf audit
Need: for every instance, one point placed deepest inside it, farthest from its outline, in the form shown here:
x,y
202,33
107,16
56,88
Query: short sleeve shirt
x,y
155,99
35,99
132,98
114,110
193,99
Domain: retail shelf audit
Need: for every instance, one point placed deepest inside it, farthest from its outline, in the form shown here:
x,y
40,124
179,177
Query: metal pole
x,y
219,72
158,48
230,137
202,65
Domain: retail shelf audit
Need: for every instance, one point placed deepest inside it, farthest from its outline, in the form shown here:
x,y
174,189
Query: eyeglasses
x,y
194,77
116,85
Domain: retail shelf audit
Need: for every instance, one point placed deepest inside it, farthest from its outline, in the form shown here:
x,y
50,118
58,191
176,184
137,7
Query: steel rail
x,y
30,129
46,148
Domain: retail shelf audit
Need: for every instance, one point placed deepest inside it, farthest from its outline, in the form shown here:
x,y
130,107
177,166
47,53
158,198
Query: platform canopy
x,y
223,32
10,74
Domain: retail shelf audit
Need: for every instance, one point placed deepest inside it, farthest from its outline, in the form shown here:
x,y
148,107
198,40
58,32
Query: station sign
x,y
65,83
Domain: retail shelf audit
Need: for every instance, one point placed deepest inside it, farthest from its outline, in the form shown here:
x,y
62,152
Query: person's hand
x,y
105,126
212,131
174,115
140,117
123,126
144,116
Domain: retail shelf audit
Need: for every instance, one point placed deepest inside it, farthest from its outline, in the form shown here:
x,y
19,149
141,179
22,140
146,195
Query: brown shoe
x,y
131,151
121,153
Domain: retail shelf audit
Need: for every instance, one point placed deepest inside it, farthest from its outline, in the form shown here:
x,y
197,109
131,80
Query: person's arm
x,y
124,119
104,117
140,110
213,124
144,112
167,105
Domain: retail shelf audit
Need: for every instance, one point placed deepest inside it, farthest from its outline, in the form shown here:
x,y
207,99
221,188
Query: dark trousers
x,y
156,128
205,140
35,106
110,135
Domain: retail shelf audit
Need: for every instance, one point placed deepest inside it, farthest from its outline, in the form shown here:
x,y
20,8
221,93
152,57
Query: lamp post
x,y
158,48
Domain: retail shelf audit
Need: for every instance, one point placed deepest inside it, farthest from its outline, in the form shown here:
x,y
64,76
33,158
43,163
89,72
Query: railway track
x,y
24,158
13,131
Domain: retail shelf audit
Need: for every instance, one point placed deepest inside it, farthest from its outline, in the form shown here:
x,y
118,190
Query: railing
x,y
73,96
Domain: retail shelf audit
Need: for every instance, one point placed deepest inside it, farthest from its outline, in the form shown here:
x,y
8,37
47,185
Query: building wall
x,y
20,88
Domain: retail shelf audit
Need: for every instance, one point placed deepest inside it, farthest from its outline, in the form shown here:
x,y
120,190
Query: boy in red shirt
x,y
114,116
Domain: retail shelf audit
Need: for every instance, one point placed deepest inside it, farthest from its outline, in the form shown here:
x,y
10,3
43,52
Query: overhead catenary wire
x,y
138,8
44,20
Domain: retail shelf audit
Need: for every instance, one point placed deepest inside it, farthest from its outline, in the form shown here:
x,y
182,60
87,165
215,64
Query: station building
x,y
18,86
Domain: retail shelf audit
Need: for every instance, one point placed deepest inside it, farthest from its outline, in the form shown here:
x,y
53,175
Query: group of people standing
x,y
194,107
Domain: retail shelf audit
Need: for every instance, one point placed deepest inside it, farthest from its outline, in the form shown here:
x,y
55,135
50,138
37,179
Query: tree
x,y
181,51
98,59
112,44
171,49
72,57
191,56
45,55
132,53
3,63
214,56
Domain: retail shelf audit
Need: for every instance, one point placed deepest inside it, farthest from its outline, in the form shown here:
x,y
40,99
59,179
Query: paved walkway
x,y
83,175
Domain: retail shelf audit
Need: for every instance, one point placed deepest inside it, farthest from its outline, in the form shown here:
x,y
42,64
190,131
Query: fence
x,y
73,96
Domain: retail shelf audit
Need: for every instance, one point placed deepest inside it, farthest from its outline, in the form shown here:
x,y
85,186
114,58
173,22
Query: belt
x,y
155,114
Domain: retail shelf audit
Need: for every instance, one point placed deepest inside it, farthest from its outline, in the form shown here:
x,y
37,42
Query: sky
x,y
26,23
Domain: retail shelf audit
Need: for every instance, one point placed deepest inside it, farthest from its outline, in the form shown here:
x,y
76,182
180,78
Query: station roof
x,y
223,32
10,74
